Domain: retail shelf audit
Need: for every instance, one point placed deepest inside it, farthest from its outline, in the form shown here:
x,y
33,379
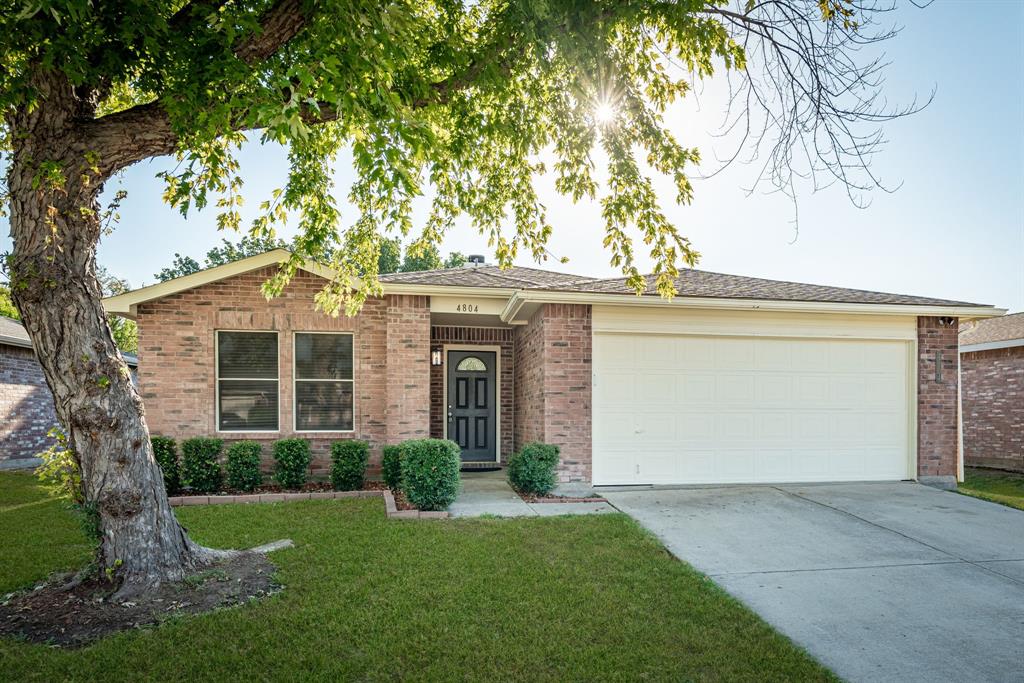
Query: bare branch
x,y
807,102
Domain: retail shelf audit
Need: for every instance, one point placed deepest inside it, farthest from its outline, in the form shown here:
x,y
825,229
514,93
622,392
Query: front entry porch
x,y
471,398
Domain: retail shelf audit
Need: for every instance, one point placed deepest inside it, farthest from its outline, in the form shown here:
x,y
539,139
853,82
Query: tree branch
x,y
279,24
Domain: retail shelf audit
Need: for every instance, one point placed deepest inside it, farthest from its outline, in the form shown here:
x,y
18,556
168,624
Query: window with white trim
x,y
247,382
324,382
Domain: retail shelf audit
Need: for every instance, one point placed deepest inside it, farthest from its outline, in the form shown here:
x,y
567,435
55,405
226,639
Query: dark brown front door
x,y
471,403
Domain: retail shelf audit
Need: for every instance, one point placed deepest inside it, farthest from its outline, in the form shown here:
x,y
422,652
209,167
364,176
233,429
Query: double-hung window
x,y
247,382
324,382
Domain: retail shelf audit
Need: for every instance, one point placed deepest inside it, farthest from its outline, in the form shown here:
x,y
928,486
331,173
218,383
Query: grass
x,y
570,598
994,485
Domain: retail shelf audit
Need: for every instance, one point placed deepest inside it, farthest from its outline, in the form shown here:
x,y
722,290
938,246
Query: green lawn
x,y
368,598
995,485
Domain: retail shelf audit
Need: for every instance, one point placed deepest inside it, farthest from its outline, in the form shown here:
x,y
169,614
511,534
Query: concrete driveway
x,y
880,582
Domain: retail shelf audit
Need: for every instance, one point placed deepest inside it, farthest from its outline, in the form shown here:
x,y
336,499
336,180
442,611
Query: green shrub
x,y
430,472
244,465
348,464
391,467
165,451
532,469
200,464
292,457
59,472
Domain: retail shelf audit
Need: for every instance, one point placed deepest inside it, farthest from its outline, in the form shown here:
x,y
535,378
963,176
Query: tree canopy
x,y
458,98
389,261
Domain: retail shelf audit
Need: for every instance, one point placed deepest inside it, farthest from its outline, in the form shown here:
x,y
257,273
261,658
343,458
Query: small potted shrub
x,y
348,464
165,451
430,472
391,467
200,464
244,465
532,470
292,458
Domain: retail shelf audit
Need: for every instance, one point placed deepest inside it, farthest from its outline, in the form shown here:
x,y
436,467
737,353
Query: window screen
x,y
247,381
324,382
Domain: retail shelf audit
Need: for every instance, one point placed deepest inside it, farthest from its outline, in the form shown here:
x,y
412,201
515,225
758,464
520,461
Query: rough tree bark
x,y
54,180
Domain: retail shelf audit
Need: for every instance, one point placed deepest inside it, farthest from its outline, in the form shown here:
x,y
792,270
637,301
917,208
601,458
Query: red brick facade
x,y
993,408
408,368
177,359
442,335
553,385
937,440
26,405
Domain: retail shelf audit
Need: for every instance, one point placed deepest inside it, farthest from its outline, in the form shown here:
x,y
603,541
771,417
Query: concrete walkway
x,y
488,493
880,582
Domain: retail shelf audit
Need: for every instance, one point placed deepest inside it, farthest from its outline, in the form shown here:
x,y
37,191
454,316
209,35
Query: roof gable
x,y
126,304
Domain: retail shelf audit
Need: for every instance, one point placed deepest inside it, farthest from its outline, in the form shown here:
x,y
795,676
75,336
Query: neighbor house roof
x,y
13,333
994,333
532,286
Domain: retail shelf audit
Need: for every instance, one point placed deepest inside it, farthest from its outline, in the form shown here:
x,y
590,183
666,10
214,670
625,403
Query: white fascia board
x,y
964,312
989,346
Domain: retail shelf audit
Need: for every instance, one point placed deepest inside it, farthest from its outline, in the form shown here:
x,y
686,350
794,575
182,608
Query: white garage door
x,y
675,409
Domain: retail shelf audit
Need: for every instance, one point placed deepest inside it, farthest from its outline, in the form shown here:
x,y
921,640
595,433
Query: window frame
x,y
296,380
216,382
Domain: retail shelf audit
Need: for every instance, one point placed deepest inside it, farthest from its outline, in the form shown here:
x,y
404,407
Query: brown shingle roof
x,y
13,333
690,283
700,283
516,277
1004,328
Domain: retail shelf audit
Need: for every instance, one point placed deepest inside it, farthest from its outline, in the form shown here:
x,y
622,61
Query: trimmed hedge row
x,y
200,470
426,470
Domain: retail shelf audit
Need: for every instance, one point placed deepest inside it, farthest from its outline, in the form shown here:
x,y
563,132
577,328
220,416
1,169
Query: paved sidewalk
x,y
488,493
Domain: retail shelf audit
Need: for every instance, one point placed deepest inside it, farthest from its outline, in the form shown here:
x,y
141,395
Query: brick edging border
x,y
389,501
393,511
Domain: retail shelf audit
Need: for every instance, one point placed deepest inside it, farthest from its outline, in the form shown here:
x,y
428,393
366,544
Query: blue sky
x,y
954,229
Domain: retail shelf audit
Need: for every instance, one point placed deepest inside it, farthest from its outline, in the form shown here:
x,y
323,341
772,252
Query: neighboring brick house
x,y
735,380
26,405
992,375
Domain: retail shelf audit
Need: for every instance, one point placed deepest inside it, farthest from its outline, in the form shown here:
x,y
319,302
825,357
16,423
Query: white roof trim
x,y
989,346
541,296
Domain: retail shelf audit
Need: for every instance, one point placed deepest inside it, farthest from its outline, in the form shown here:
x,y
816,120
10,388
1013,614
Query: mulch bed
x,y
559,499
401,502
308,487
76,616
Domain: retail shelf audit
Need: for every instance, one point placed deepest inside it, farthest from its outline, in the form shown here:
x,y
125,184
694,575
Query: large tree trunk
x,y
55,224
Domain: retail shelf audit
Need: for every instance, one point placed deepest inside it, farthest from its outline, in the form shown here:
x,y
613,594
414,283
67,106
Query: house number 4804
x,y
467,308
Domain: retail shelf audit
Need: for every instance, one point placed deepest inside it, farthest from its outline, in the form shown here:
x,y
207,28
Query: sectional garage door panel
x,y
674,409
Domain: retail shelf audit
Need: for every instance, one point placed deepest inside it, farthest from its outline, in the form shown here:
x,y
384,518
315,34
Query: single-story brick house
x,y
992,373
26,404
736,380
